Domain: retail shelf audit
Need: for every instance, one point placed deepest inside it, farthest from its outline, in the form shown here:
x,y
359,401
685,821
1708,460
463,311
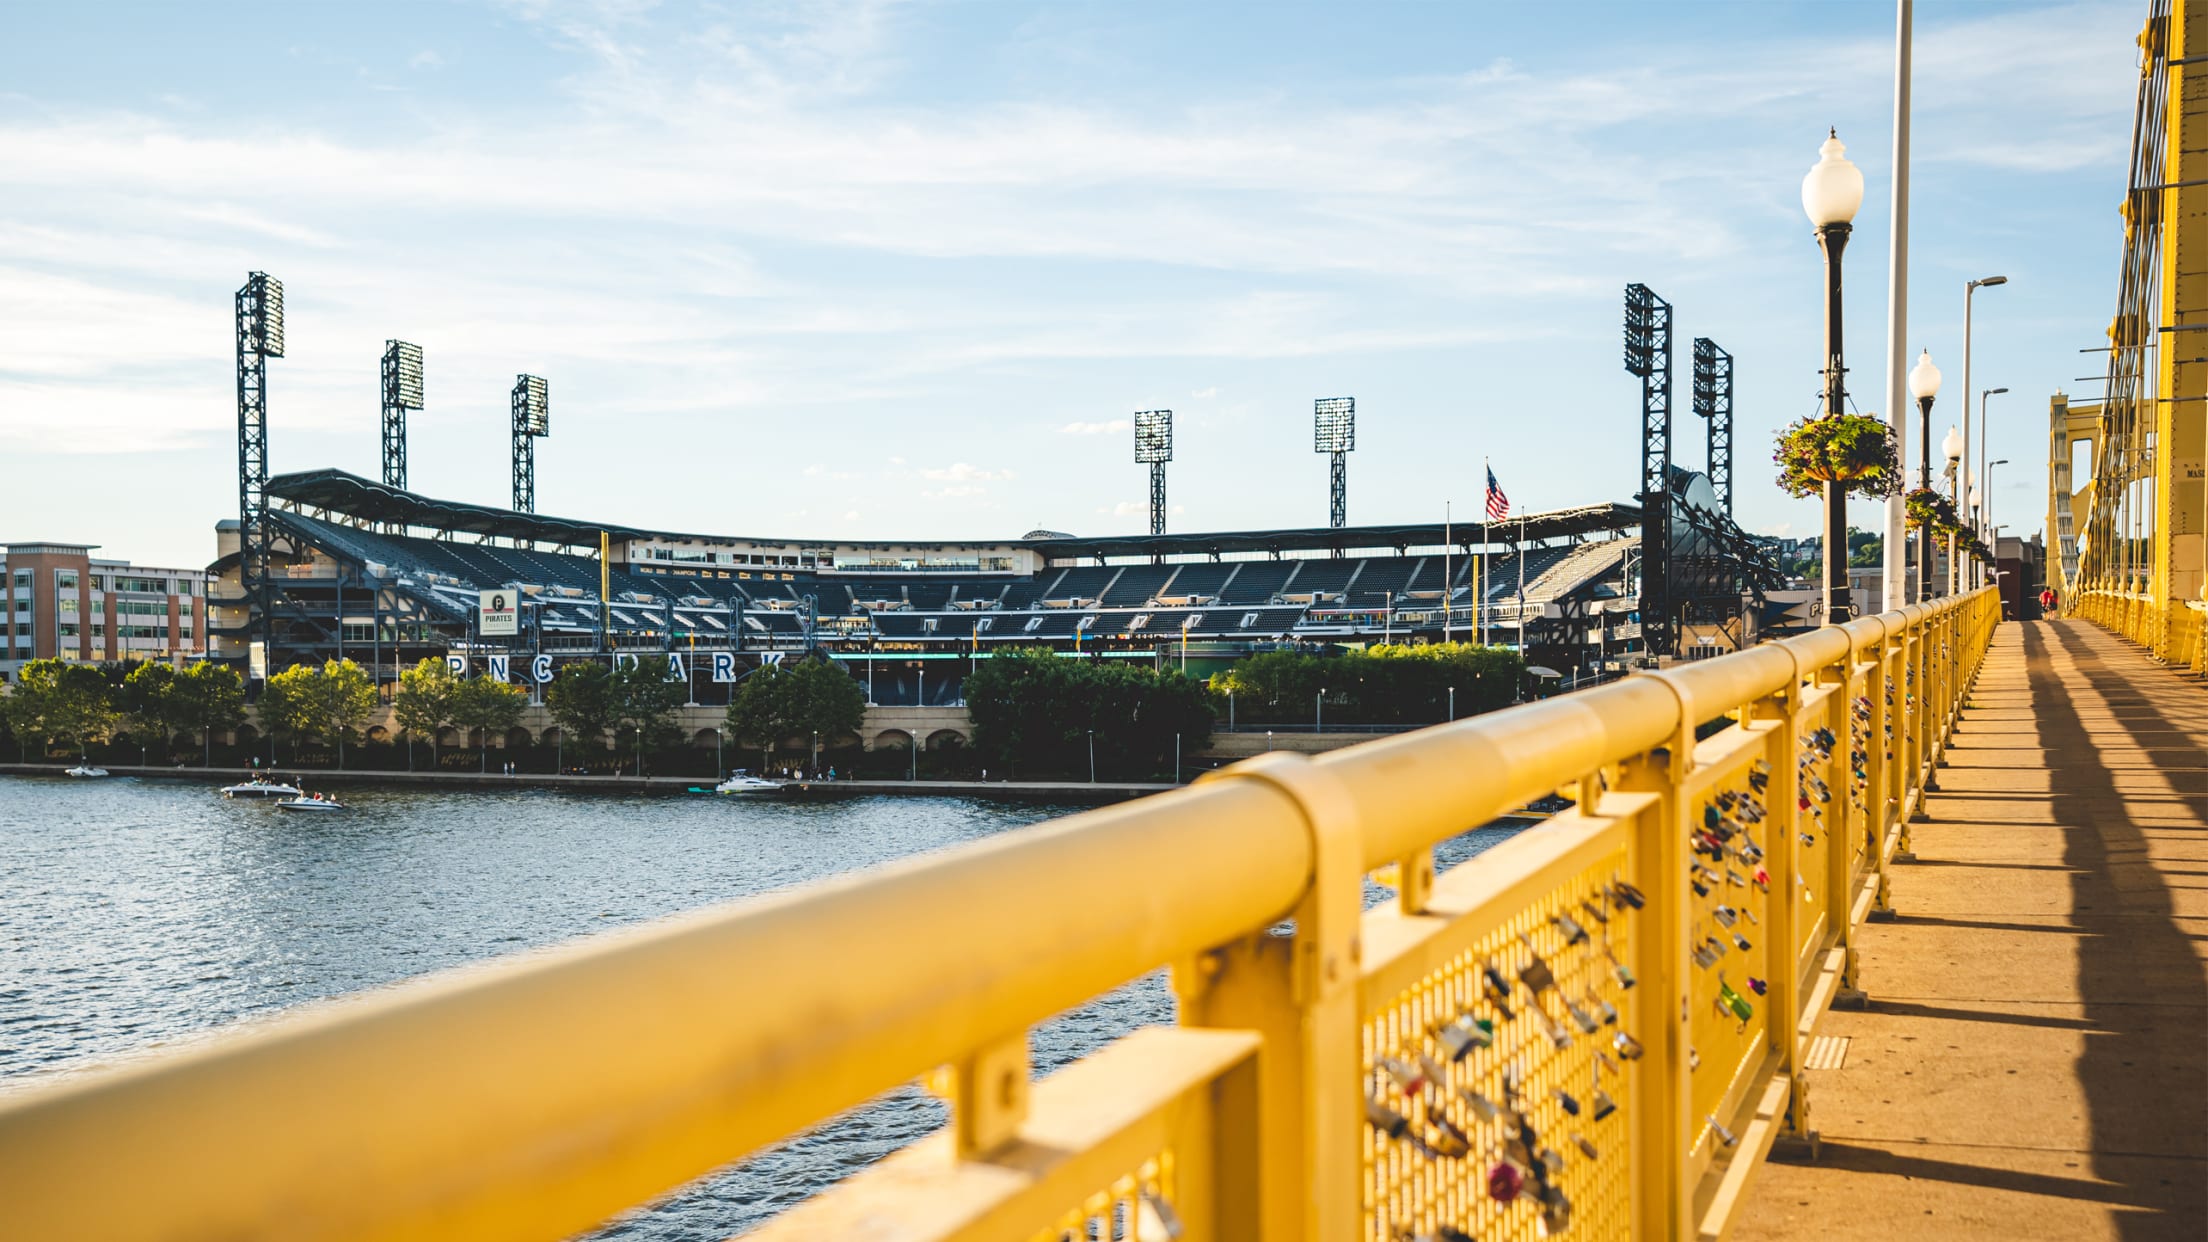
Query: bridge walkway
x,y
2031,1060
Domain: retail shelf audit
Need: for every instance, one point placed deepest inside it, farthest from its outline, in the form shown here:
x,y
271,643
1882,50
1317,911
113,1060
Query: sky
x,y
882,270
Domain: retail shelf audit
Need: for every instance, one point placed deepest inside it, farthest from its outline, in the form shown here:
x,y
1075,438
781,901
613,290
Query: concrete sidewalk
x,y
2034,1059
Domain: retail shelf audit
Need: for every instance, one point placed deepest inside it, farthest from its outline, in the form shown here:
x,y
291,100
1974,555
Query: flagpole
x,y
1521,584
1446,548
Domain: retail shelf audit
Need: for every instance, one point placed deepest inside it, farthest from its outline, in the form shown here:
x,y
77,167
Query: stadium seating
x,y
1136,584
1256,582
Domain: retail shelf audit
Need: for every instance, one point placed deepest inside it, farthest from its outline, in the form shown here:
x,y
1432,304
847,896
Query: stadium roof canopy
x,y
1555,524
340,491
354,496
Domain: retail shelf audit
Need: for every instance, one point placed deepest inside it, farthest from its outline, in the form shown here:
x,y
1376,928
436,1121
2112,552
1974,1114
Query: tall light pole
x,y
1985,443
1924,385
1993,534
1953,447
1318,712
1092,756
1896,573
1831,193
1970,291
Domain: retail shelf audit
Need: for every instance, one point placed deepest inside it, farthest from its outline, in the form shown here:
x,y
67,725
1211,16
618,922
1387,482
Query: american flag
x,y
1498,505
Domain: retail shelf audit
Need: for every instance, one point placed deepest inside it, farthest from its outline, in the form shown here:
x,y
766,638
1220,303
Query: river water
x,y
136,912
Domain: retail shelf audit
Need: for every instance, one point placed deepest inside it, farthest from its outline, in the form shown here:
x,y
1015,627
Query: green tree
x,y
827,701
61,701
581,700
487,706
1388,685
207,697
645,694
423,704
287,705
343,699
1037,710
149,701
762,710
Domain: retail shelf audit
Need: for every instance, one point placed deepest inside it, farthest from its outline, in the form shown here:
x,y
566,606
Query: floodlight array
x,y
1153,435
532,405
405,360
1334,424
1640,329
268,329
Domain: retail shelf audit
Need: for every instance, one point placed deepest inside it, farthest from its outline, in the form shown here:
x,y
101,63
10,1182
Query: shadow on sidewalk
x,y
2124,1046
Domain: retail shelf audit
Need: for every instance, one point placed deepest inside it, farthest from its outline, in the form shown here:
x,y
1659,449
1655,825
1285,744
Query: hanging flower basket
x,y
1853,450
1929,510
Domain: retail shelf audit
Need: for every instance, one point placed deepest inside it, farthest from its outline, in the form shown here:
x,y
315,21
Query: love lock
x,y
1504,1181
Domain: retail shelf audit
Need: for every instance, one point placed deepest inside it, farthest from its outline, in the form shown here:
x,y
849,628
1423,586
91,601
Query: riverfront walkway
x,y
2033,1062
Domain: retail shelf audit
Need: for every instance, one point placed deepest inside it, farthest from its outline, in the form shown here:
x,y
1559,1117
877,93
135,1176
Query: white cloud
x,y
1116,426
1213,391
961,472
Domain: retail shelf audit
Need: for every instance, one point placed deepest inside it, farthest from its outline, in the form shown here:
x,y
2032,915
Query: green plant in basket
x,y
1853,450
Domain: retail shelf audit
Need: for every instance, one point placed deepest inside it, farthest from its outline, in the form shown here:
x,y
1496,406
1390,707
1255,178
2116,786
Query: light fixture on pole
x,y
1924,385
1993,533
1985,441
531,405
1832,191
1154,448
1318,711
1970,291
1334,432
1952,446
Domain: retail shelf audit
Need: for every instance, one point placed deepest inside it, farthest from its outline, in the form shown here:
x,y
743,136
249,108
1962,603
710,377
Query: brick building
x,y
63,602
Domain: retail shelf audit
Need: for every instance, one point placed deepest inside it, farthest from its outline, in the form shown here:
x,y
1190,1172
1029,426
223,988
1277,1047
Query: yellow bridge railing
x,y
1596,1026
2177,634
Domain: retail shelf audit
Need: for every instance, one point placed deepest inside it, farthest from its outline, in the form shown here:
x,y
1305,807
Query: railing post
x,y
1887,749
1300,994
1663,1091
1789,888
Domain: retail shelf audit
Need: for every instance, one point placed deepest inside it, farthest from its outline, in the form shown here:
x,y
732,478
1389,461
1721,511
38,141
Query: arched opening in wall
x,y
551,737
244,735
946,739
517,738
706,739
377,733
448,737
893,739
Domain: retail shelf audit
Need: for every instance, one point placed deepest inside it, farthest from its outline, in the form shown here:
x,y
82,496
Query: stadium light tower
x,y
1648,355
1713,402
1334,432
402,391
532,418
260,307
1154,447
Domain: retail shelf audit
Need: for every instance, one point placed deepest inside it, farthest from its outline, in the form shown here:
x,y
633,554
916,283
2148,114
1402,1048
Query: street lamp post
x,y
1831,193
1452,702
1970,291
1952,445
718,770
1993,533
1230,711
1924,385
1985,441
1318,711
1092,756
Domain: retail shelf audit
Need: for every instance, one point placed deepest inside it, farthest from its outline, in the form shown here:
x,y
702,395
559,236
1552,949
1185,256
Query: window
x,y
23,579
65,579
99,582
22,605
65,630
141,631
154,586
66,604
142,607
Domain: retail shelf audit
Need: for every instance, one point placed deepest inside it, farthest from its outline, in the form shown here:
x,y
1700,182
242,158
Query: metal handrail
x,y
534,1096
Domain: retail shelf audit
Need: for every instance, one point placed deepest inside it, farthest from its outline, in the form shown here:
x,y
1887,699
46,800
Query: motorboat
x,y
259,788
742,782
86,769
310,802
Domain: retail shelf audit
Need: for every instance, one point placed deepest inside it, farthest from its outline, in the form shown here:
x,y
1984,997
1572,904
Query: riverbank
x,y
318,778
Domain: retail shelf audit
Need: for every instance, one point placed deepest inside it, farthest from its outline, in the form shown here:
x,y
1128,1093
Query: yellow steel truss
x,y
2143,564
1649,966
